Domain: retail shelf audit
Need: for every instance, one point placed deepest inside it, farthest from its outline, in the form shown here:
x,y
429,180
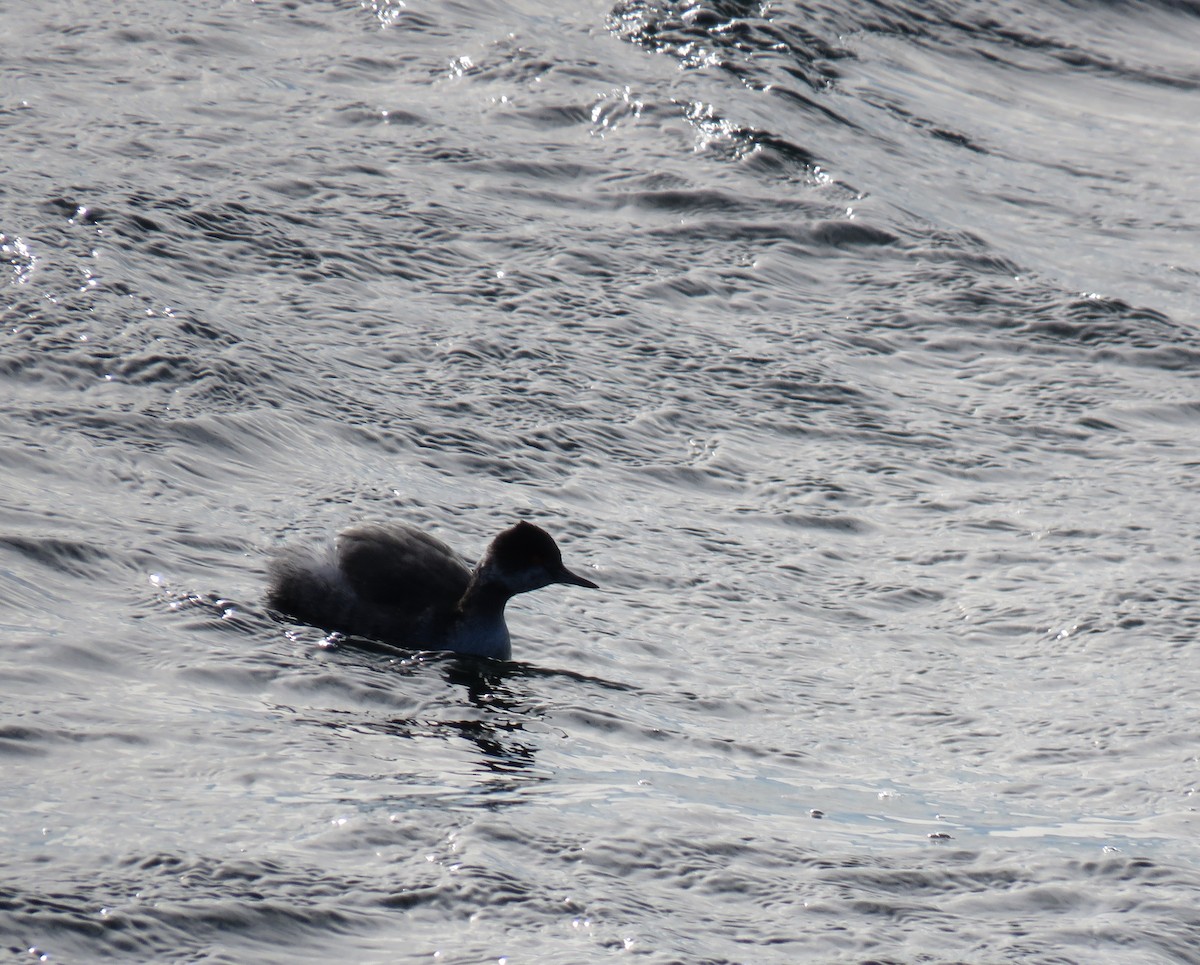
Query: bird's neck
x,y
478,627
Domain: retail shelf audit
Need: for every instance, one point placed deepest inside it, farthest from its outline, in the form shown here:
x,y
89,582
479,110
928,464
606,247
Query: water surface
x,y
852,349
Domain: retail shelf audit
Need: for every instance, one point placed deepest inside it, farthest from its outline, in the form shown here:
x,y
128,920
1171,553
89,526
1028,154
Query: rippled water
x,y
853,347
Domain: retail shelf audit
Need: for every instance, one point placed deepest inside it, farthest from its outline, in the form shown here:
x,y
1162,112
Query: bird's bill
x,y
572,579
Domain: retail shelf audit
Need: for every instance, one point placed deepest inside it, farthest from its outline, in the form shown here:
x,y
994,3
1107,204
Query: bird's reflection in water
x,y
501,715
490,714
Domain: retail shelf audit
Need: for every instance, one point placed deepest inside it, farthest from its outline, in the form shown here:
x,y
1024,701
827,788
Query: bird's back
x,y
391,564
382,580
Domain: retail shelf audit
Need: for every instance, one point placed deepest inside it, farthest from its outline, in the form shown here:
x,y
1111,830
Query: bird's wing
x,y
393,565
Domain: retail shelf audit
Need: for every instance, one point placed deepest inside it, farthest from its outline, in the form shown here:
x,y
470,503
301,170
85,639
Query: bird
x,y
397,584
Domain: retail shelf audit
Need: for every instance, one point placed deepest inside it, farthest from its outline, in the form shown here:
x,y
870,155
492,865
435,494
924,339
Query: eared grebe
x,y
396,584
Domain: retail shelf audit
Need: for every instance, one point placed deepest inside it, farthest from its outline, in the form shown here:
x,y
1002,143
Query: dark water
x,y
853,347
